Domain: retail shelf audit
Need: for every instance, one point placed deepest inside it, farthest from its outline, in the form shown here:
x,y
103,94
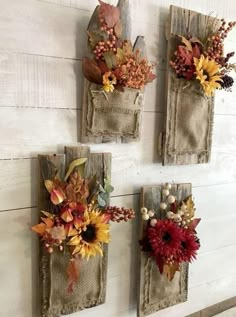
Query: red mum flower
x,y
189,246
165,238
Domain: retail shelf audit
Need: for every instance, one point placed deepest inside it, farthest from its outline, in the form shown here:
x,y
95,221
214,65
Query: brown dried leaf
x,y
91,71
118,29
57,233
170,270
110,13
186,42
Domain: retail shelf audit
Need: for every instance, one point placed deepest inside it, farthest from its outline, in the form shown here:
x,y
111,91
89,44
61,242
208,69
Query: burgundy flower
x,y
165,238
189,245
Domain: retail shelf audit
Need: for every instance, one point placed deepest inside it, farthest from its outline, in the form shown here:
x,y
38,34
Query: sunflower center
x,y
90,234
206,74
183,244
166,237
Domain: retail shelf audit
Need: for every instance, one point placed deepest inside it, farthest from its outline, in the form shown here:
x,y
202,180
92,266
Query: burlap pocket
x,y
113,114
190,119
89,291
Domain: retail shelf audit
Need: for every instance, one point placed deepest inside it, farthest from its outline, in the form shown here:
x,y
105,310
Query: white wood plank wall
x,y
41,46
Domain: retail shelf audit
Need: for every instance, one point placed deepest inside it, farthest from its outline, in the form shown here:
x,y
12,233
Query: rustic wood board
x,y
187,136
91,288
155,291
120,121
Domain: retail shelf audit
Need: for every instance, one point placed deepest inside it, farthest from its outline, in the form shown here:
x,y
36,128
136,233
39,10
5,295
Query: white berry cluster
x,y
181,217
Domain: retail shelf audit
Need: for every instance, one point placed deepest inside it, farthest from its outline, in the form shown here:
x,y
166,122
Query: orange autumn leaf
x,y
73,273
42,227
170,270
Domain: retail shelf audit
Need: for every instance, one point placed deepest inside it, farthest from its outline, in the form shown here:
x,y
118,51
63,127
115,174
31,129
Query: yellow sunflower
x,y
92,232
207,72
109,80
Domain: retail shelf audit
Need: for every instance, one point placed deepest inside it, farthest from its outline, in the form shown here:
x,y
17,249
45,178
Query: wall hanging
x,y
168,243
116,74
74,229
196,67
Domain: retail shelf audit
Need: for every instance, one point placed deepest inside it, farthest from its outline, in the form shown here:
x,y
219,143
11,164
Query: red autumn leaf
x,y
73,274
194,224
110,13
103,67
186,55
91,71
196,51
151,77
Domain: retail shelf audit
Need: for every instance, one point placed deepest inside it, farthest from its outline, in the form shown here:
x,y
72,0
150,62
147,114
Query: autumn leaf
x,y
57,233
95,37
118,29
73,273
170,270
186,55
196,51
195,40
74,164
49,185
151,77
42,227
103,67
186,42
120,56
194,224
110,13
91,71
110,59
190,206
57,196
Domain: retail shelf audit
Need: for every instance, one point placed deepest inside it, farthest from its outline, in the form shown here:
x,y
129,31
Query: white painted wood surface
x,y
41,46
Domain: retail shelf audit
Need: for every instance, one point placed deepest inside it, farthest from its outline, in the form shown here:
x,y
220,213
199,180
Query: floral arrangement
x,y
171,240
115,64
203,59
78,221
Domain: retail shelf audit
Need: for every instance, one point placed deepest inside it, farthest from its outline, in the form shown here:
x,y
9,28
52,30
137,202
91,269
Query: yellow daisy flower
x,y
207,72
109,80
92,232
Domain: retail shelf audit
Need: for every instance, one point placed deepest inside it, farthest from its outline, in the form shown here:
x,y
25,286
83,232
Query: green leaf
x,y
110,59
101,201
74,164
101,189
108,187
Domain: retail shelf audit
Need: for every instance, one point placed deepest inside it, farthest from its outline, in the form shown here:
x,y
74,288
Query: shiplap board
x,y
26,128
39,81
41,28
127,176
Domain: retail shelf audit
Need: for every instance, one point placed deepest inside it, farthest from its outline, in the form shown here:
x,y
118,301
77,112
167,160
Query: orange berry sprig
x,y
215,44
106,45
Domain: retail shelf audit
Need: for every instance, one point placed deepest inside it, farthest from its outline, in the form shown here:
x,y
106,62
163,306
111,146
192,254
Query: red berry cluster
x,y
109,44
118,214
216,46
181,68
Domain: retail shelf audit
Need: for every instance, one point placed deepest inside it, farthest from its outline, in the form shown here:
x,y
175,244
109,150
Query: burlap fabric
x,y
190,119
159,292
113,114
88,292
